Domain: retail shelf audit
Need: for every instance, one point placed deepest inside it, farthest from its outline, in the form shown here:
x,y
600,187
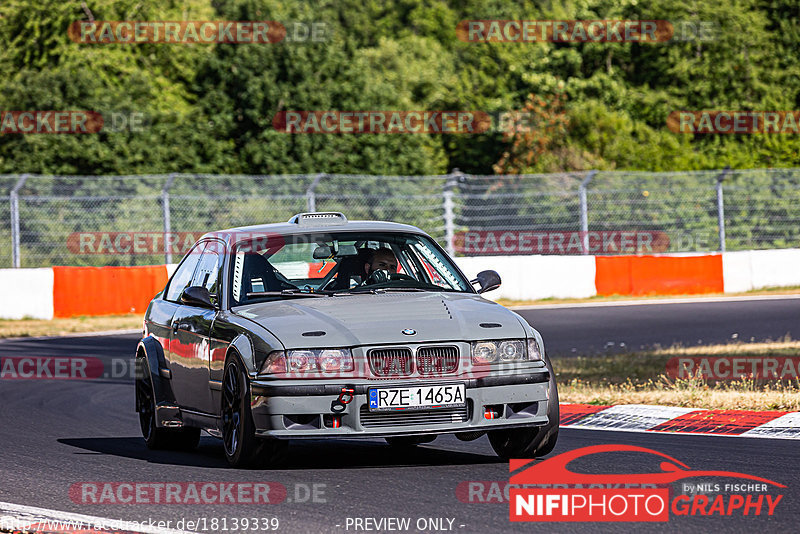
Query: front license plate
x,y
417,397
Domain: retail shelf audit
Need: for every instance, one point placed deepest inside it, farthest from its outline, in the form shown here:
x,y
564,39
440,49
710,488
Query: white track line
x,y
649,302
12,515
74,334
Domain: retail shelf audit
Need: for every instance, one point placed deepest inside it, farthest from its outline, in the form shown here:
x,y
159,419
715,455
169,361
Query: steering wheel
x,y
381,276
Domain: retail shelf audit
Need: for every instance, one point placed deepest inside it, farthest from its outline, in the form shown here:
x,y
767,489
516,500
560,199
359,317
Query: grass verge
x,y
641,378
59,327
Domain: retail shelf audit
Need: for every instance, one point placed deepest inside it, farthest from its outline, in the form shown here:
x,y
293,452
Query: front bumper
x,y
297,409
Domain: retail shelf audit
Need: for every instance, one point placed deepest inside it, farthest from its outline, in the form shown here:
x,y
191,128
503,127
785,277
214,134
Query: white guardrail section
x,y
536,277
756,269
28,293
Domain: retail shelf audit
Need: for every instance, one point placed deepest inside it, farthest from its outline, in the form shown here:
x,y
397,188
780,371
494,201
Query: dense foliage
x,y
209,108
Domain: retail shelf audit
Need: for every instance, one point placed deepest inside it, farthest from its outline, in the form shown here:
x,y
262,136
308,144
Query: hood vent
x,y
313,333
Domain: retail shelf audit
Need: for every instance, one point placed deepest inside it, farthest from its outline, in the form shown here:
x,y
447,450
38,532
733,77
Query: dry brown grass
x,y
59,327
640,378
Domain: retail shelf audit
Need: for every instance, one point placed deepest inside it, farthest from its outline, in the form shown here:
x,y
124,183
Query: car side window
x,y
183,275
207,273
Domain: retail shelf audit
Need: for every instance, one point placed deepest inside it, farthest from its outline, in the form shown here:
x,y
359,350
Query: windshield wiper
x,y
376,291
291,293
355,291
387,289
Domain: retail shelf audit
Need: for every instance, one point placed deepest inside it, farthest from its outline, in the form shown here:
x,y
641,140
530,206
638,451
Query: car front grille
x,y
391,362
437,360
443,416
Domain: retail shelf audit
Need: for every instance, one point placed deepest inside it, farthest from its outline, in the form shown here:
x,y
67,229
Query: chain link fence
x,y
77,220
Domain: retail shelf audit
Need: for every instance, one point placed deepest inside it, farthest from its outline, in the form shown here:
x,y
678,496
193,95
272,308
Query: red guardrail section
x,y
105,290
663,275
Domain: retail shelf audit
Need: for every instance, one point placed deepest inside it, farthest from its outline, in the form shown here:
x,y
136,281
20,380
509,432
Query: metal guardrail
x,y
698,211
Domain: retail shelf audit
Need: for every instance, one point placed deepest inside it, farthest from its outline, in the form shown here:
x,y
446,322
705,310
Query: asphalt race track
x,y
625,327
57,433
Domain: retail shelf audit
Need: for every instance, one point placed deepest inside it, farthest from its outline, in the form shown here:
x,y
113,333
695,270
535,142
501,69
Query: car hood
x,y
356,320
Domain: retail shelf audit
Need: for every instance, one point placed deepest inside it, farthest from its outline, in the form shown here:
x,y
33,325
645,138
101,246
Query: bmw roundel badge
x,y
409,332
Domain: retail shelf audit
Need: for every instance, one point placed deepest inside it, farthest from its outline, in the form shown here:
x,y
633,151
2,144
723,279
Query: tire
x,y
242,448
531,442
409,441
154,437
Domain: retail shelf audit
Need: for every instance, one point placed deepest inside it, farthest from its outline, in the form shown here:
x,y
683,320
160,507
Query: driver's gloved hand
x,y
380,276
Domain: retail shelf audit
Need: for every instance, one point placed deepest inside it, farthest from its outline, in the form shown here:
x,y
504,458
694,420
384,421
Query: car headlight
x,y
486,352
308,361
335,360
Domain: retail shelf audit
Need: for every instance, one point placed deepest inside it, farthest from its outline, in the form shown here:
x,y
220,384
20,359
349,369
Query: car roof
x,y
243,233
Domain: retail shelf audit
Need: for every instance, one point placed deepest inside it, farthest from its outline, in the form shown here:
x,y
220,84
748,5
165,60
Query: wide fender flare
x,y
243,346
154,355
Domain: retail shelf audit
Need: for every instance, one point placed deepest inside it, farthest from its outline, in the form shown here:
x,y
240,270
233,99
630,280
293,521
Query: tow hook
x,y
345,398
340,404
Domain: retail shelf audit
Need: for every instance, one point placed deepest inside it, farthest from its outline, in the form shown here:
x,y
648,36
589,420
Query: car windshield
x,y
337,264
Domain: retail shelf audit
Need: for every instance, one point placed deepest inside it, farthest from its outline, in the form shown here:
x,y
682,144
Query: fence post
x,y
449,216
585,211
311,195
721,208
166,216
14,198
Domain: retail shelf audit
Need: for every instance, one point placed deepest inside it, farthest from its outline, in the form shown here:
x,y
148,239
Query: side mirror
x,y
488,280
197,296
